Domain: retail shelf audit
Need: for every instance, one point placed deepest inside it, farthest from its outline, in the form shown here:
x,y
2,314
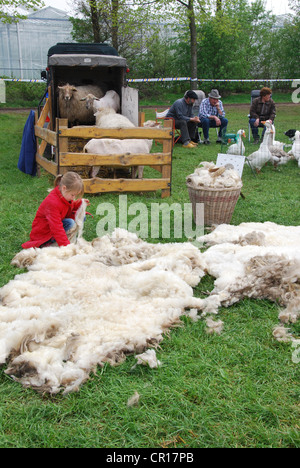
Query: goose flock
x,y
269,150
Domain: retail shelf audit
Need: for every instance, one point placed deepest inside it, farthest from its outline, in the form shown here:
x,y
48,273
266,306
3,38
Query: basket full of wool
x,y
218,189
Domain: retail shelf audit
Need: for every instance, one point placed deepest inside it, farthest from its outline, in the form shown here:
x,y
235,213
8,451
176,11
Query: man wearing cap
x,y
211,114
182,112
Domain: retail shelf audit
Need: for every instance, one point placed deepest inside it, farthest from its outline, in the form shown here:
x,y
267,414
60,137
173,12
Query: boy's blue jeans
x,y
68,223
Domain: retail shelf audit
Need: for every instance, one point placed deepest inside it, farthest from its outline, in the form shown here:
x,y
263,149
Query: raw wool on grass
x,y
85,304
89,303
260,261
268,234
148,358
214,326
282,334
210,175
134,400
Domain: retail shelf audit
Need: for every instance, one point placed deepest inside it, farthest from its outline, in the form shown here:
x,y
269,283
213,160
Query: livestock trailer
x,y
58,146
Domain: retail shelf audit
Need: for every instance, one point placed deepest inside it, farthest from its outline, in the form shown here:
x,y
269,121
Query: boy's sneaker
x,y
206,141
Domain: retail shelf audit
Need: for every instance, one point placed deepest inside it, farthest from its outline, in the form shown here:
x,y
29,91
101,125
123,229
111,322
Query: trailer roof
x,y
95,48
90,60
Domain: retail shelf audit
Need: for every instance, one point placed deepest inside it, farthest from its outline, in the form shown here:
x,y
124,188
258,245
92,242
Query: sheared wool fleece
x,y
88,303
257,260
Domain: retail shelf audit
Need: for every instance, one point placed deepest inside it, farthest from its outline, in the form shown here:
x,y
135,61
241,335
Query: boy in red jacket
x,y
57,212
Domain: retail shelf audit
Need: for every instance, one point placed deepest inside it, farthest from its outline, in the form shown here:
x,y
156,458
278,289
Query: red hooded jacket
x,y
47,223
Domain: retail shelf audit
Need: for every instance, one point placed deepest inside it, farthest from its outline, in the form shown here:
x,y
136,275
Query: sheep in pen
x,y
89,303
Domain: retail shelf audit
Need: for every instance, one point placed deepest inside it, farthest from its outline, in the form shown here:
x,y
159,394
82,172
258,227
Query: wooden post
x,y
63,145
167,169
141,119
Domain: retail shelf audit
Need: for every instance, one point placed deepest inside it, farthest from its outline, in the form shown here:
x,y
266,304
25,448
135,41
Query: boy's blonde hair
x,y
72,181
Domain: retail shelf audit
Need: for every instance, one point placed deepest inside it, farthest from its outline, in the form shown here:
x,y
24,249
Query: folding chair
x,y
163,116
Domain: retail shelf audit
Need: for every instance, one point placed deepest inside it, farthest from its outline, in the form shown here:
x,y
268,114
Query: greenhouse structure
x,y
24,45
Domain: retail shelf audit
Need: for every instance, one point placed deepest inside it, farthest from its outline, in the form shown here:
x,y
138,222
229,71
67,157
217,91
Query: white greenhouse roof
x,y
24,45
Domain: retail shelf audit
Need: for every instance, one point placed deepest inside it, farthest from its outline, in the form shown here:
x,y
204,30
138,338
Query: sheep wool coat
x,y
47,223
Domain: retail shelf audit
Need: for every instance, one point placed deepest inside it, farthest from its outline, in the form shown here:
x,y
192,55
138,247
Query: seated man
x,y
182,112
212,114
262,109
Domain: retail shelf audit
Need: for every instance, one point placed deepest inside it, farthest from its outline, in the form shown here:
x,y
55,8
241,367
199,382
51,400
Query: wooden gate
x,y
57,135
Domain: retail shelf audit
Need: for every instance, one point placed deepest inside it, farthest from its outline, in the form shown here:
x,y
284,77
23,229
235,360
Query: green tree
x,y
285,45
233,43
124,25
9,9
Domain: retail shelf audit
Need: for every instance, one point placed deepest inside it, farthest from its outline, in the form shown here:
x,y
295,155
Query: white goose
x,y
279,156
295,151
269,124
260,157
238,148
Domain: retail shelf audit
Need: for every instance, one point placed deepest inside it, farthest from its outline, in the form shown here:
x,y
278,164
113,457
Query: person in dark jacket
x,y
262,109
182,112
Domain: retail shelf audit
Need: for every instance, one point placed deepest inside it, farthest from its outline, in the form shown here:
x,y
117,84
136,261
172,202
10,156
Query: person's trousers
x,y
187,130
255,129
211,123
68,223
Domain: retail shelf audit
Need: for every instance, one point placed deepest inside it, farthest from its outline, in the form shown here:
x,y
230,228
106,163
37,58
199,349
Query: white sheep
x,y
108,118
111,146
110,99
71,106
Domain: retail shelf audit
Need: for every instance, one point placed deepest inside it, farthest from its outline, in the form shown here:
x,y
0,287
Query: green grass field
x,y
239,389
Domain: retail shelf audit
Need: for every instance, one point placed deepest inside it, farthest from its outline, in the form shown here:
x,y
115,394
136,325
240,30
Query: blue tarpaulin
x,y
27,162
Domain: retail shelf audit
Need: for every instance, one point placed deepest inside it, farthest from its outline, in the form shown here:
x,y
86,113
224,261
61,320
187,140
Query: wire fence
x,y
174,79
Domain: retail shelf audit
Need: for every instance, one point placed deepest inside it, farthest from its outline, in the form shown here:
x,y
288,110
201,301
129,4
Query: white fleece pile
x,y
93,302
208,175
256,260
89,303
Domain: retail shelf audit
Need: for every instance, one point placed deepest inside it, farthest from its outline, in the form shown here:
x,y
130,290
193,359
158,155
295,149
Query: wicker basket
x,y
219,204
